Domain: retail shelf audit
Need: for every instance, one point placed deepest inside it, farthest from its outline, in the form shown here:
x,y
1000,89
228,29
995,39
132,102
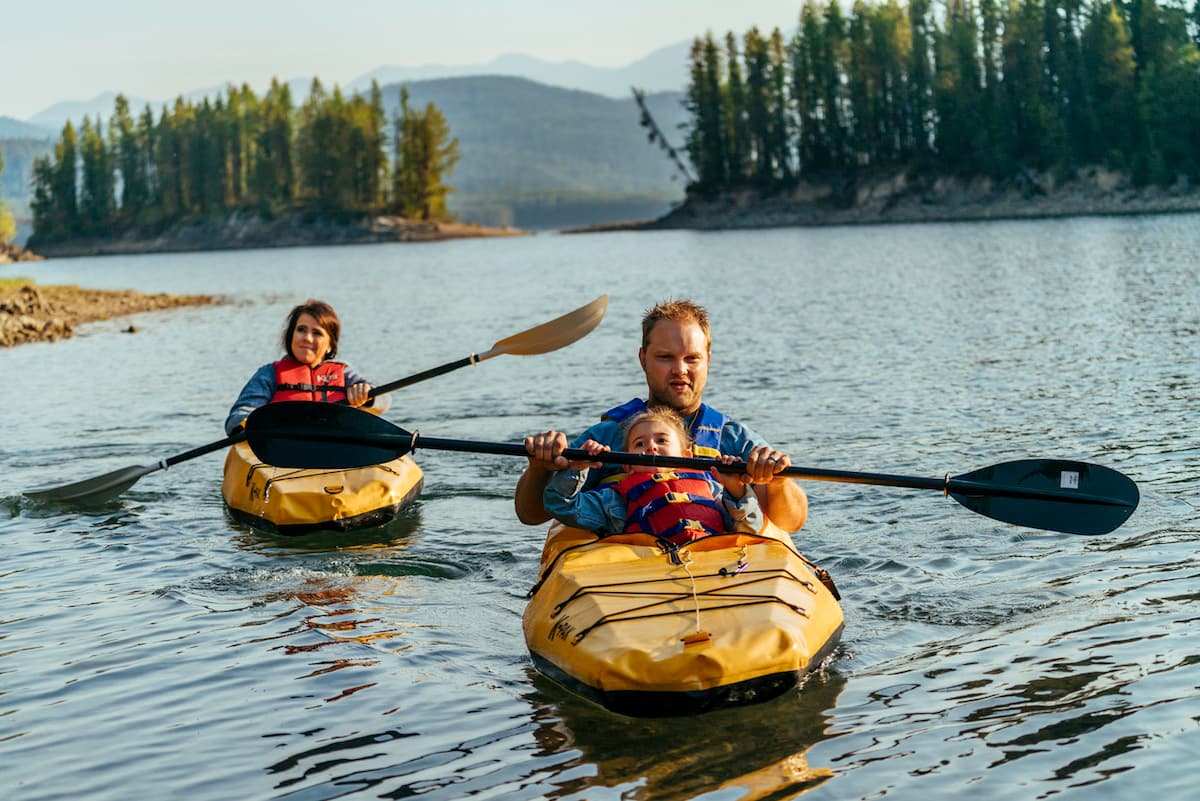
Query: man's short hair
x,y
681,311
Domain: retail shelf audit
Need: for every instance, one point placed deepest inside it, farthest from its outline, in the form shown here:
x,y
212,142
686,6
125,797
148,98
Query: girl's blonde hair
x,y
659,414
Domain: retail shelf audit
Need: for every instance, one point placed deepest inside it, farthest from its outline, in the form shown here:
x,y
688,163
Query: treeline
x,y
332,155
976,87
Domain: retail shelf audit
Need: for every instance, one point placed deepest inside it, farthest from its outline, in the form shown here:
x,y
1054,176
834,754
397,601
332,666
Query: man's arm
x,y
784,502
545,457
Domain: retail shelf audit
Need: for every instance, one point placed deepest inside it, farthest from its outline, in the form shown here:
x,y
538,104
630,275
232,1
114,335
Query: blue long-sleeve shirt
x,y
604,510
261,388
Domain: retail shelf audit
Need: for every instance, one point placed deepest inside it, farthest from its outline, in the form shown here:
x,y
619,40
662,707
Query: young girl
x,y
675,505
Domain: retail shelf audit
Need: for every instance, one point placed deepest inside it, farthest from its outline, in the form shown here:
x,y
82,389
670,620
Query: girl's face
x,y
310,342
655,438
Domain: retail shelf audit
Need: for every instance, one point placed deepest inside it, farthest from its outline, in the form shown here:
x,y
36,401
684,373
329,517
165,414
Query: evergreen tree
x,y
780,125
961,135
705,141
274,171
891,46
64,187
758,108
865,86
1108,57
426,156
130,163
97,202
920,79
806,93
46,225
734,124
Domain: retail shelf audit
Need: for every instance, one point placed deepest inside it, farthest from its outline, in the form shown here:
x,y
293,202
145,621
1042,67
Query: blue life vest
x,y
705,429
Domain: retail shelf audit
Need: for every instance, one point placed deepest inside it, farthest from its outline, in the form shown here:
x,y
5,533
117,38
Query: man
x,y
675,352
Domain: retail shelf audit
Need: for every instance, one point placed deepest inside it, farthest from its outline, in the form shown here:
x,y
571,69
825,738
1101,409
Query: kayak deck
x,y
727,620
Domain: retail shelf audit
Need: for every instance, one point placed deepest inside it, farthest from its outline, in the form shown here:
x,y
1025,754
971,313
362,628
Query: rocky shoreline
x,y
903,197
30,313
246,230
10,253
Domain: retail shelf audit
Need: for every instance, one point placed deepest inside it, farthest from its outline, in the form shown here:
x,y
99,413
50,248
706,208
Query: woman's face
x,y
310,342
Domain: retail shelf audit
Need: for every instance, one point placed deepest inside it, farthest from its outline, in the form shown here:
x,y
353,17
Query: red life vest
x,y
676,505
297,381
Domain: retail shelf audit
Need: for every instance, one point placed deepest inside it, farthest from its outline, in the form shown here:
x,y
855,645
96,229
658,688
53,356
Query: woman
x,y
308,372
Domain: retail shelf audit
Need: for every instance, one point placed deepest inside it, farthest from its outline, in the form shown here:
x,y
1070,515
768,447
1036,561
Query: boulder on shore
x,y
10,253
30,313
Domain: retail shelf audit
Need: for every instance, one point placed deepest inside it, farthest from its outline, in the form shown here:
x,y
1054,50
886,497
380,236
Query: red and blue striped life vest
x,y
675,505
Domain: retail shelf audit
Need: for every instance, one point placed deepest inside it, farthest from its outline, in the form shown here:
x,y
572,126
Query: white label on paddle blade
x,y
1068,479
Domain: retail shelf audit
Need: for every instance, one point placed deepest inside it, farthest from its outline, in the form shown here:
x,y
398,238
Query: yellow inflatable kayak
x,y
725,620
290,500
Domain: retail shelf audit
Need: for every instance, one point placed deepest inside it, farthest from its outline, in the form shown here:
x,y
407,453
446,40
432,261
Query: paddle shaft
x,y
432,372
405,443
1055,494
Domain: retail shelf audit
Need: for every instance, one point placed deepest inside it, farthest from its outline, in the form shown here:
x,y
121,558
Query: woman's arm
x,y
258,392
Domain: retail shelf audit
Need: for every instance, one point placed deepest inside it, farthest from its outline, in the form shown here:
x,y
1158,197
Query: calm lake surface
x,y
155,648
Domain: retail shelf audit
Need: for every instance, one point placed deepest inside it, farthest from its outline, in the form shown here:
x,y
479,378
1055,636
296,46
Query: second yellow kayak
x,y
297,501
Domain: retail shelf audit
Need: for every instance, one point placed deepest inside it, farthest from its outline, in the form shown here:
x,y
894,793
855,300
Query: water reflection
x,y
758,750
396,533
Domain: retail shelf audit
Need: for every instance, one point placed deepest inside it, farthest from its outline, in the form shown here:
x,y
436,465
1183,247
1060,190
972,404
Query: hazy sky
x,y
155,49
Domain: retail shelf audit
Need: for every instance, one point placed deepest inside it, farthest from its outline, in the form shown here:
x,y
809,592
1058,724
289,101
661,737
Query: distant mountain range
x,y
11,128
543,144
663,70
532,155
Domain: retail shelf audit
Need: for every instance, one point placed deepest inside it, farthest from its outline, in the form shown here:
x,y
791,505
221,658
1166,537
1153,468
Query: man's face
x,y
675,361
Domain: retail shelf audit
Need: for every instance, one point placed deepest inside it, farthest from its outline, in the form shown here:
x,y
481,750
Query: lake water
x,y
155,648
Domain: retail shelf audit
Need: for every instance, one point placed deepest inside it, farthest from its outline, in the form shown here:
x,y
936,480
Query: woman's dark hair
x,y
325,316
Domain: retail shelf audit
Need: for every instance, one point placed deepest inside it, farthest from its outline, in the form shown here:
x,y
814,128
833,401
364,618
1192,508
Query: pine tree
x,y
1108,57
736,134
705,141
758,108
97,203
920,84
812,145
426,157
961,135
130,163
273,175
779,137
65,182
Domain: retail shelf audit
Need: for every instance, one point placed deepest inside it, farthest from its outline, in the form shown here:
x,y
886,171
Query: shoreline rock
x,y
11,254
249,230
30,313
901,197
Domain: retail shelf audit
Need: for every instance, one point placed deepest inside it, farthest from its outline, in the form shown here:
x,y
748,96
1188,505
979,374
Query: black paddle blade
x,y
323,435
1050,494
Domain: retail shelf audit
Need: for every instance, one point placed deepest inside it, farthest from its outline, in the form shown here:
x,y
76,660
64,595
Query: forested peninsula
x,y
244,171
975,109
